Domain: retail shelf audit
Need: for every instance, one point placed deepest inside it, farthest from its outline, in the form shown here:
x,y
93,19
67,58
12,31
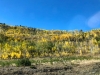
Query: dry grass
x,y
72,66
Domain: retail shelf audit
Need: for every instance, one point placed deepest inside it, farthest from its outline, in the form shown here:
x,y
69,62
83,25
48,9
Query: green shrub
x,y
23,62
2,63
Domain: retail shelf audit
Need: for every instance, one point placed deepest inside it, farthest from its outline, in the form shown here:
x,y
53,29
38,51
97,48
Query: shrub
x,y
2,63
23,62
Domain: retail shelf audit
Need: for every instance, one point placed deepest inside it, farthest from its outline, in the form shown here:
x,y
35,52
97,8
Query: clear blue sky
x,y
51,14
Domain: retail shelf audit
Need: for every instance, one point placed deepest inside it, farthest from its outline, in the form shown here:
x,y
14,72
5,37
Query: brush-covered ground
x,y
54,66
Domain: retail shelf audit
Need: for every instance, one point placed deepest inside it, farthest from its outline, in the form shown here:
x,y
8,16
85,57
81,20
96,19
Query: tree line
x,y
20,41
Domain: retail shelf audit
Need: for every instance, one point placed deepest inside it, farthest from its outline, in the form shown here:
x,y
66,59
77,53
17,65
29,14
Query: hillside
x,y
21,41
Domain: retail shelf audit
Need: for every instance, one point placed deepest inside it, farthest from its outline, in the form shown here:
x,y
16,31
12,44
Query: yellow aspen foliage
x,y
28,55
64,36
31,47
46,54
95,41
4,56
12,55
56,37
18,55
20,41
43,39
15,55
64,53
7,47
54,48
52,38
80,52
56,54
42,55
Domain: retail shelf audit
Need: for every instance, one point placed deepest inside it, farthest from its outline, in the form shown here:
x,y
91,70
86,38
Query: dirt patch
x,y
89,67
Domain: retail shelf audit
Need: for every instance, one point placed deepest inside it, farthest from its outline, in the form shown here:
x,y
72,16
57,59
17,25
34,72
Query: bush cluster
x,y
23,62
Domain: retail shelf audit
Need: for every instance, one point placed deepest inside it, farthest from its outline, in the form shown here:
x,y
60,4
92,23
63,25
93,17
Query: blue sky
x,y
51,14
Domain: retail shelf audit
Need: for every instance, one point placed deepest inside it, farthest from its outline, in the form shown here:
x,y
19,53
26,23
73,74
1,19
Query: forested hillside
x,y
21,41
